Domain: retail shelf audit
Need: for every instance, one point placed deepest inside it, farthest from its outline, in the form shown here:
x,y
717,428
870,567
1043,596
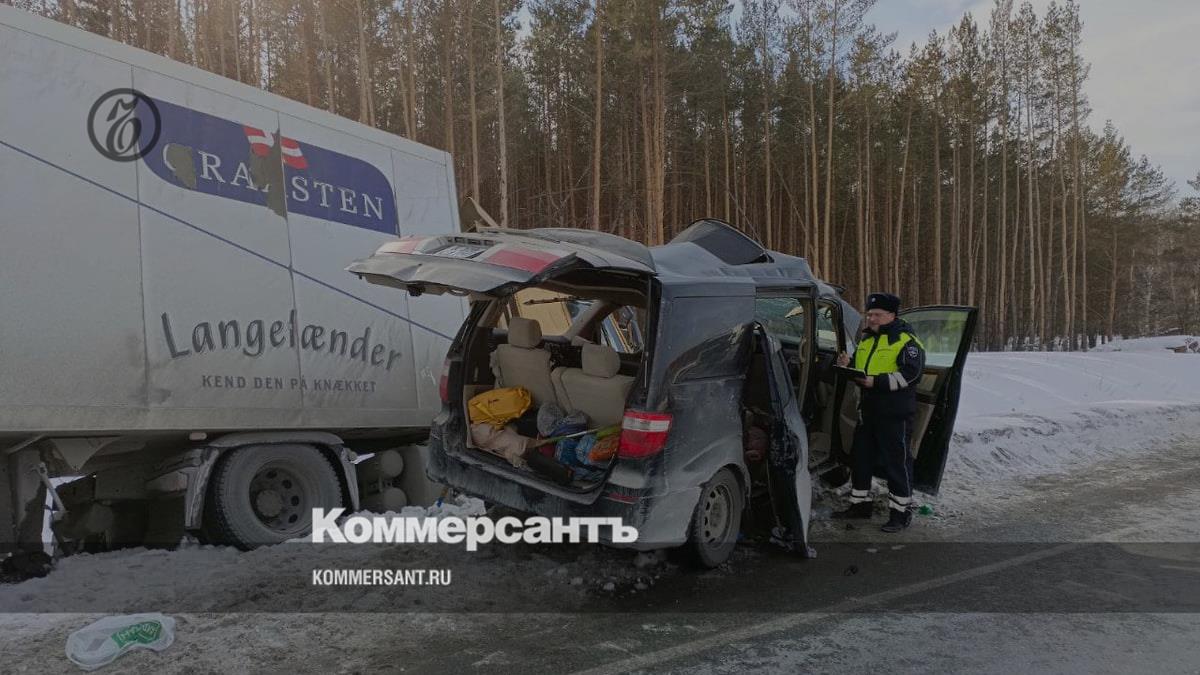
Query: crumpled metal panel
x,y
610,250
392,269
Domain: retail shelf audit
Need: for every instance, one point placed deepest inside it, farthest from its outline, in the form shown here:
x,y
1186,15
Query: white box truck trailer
x,y
176,323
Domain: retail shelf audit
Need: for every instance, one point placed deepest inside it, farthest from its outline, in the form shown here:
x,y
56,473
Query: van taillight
x,y
444,382
643,434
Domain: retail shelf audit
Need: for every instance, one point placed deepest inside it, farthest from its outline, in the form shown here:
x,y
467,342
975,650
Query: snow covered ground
x,y
1022,416
1032,413
1153,344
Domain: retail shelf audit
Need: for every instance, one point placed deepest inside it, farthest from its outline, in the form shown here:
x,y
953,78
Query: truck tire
x,y
716,521
264,494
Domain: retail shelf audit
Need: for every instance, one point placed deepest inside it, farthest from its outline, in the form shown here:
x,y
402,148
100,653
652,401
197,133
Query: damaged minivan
x,y
684,388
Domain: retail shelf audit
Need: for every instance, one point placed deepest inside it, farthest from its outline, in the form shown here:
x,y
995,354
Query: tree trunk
x,y
1065,259
503,141
971,260
568,155
653,135
597,119
1112,286
235,22
470,46
708,202
308,56
914,257
725,133
937,206
894,259
956,214
868,220
448,76
818,261
770,234
827,240
859,220
985,299
172,29
1079,232
411,61
220,43
402,81
1002,249
366,114
326,58
255,69
1083,268
1015,323
1029,175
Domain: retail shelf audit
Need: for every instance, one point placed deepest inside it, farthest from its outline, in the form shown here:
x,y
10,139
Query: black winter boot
x,y
897,520
860,510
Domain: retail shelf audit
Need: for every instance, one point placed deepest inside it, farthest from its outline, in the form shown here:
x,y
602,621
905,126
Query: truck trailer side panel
x,y
173,244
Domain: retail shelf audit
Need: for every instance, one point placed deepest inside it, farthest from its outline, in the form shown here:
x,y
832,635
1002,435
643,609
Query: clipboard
x,y
849,372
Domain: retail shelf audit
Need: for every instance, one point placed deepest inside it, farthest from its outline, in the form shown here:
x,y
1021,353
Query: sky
x,y
1144,76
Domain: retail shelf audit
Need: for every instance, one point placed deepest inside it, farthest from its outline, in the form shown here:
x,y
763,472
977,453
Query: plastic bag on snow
x,y
100,643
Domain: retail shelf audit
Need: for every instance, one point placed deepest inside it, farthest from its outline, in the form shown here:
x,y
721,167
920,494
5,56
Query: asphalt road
x,y
1091,573
1098,573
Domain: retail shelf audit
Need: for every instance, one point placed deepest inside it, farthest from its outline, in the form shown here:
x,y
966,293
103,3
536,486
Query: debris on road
x,y
102,642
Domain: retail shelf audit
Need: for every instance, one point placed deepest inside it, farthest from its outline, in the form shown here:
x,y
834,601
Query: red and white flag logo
x,y
261,143
292,156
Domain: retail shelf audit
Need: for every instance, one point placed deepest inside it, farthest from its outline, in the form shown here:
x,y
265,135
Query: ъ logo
x,y
116,128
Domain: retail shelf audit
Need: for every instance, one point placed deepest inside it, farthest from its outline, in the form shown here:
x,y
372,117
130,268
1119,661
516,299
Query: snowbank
x,y
1030,413
1150,344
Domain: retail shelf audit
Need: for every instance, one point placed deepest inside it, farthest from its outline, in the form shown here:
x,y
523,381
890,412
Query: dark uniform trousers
x,y
882,441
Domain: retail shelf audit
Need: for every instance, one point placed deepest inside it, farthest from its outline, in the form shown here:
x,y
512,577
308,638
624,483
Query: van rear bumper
x,y
661,521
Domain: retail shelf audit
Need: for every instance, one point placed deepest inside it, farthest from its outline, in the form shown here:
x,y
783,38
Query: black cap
x,y
885,301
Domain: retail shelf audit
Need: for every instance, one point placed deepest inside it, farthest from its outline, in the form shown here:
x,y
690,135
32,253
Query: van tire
x,y
713,532
264,494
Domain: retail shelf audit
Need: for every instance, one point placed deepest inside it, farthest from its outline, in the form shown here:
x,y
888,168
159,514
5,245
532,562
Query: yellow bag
x,y
499,406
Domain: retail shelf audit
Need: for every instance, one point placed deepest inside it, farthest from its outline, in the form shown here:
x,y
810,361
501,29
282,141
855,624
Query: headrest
x,y
524,333
600,361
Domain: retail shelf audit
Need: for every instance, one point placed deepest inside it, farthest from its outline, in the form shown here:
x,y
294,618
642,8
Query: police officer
x,y
893,359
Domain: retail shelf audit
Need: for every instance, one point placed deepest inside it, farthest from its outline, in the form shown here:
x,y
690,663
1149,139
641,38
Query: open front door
x,y
946,332
787,462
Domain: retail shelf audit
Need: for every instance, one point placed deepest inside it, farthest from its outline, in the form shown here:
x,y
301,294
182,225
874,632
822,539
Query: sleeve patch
x,y
911,351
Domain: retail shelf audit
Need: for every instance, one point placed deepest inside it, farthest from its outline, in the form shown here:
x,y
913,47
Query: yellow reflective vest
x,y
877,354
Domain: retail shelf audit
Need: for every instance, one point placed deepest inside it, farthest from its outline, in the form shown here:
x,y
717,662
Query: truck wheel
x,y
265,494
715,523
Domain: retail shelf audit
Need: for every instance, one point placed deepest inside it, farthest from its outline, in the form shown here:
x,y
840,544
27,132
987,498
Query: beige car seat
x,y
522,363
595,389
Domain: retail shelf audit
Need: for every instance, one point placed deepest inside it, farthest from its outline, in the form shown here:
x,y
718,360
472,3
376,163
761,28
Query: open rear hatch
x,y
496,263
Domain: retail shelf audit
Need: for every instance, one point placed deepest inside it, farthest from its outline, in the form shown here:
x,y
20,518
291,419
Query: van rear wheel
x,y
716,520
265,494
